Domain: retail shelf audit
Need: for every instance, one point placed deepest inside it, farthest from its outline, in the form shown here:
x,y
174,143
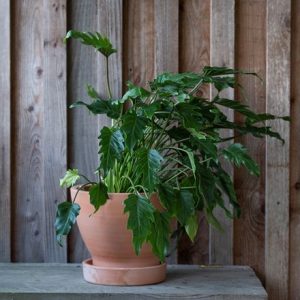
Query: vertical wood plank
x,y
295,157
55,122
166,14
249,246
222,54
194,54
294,258
28,141
277,160
166,19
5,154
86,66
138,43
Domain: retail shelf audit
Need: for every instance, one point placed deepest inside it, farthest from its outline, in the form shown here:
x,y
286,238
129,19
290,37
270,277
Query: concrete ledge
x,y
65,282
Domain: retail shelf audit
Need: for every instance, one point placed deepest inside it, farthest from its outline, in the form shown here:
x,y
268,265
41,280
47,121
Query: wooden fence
x,y
40,138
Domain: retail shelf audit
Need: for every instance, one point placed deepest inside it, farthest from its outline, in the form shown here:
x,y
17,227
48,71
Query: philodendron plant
x,y
165,139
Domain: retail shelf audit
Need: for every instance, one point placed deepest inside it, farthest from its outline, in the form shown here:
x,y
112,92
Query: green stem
x,y
107,79
81,187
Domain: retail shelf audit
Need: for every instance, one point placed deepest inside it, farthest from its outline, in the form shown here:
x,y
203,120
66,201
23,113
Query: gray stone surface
x,y
65,282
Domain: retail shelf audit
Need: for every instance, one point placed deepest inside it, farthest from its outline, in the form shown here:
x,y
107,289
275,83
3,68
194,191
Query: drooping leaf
x,y
100,42
191,227
185,206
109,107
133,126
98,195
147,167
160,234
111,147
140,219
65,217
237,154
70,178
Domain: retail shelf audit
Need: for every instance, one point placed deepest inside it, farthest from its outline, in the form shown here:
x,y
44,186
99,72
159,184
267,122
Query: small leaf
x,y
134,127
65,217
109,107
136,92
160,234
98,195
100,42
191,227
140,219
237,154
70,178
147,167
92,92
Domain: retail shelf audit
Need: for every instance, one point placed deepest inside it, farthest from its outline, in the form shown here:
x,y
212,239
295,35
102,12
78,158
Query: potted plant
x,y
160,161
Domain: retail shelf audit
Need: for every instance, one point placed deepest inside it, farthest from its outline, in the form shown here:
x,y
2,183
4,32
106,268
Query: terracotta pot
x,y
109,242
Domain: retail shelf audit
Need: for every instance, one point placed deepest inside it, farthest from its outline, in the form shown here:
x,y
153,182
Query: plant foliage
x,y
166,139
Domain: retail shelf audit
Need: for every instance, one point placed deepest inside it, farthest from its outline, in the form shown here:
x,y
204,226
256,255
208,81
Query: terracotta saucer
x,y
123,276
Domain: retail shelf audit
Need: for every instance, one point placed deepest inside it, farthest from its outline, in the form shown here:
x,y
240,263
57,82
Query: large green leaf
x,y
70,178
160,234
133,126
111,147
167,198
98,195
65,217
100,42
237,154
147,167
140,219
135,92
109,107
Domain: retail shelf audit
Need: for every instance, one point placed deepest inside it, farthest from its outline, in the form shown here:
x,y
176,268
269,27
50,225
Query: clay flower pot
x,y
108,240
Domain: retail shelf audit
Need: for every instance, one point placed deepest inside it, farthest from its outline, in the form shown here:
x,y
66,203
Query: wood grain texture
x,y
250,55
138,46
5,133
222,54
55,121
83,127
86,66
166,35
194,54
28,141
183,282
294,287
277,165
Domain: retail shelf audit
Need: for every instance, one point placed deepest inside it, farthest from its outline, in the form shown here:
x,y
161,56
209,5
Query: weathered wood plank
x,y
166,19
5,132
82,127
86,66
138,41
194,54
49,281
28,140
294,287
277,166
249,246
166,35
222,54
55,121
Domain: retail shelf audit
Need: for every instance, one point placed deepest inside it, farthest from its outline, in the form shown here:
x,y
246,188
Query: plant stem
x,y
81,187
107,79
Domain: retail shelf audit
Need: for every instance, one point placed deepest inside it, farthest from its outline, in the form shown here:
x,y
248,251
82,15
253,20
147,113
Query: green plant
x,y
166,140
